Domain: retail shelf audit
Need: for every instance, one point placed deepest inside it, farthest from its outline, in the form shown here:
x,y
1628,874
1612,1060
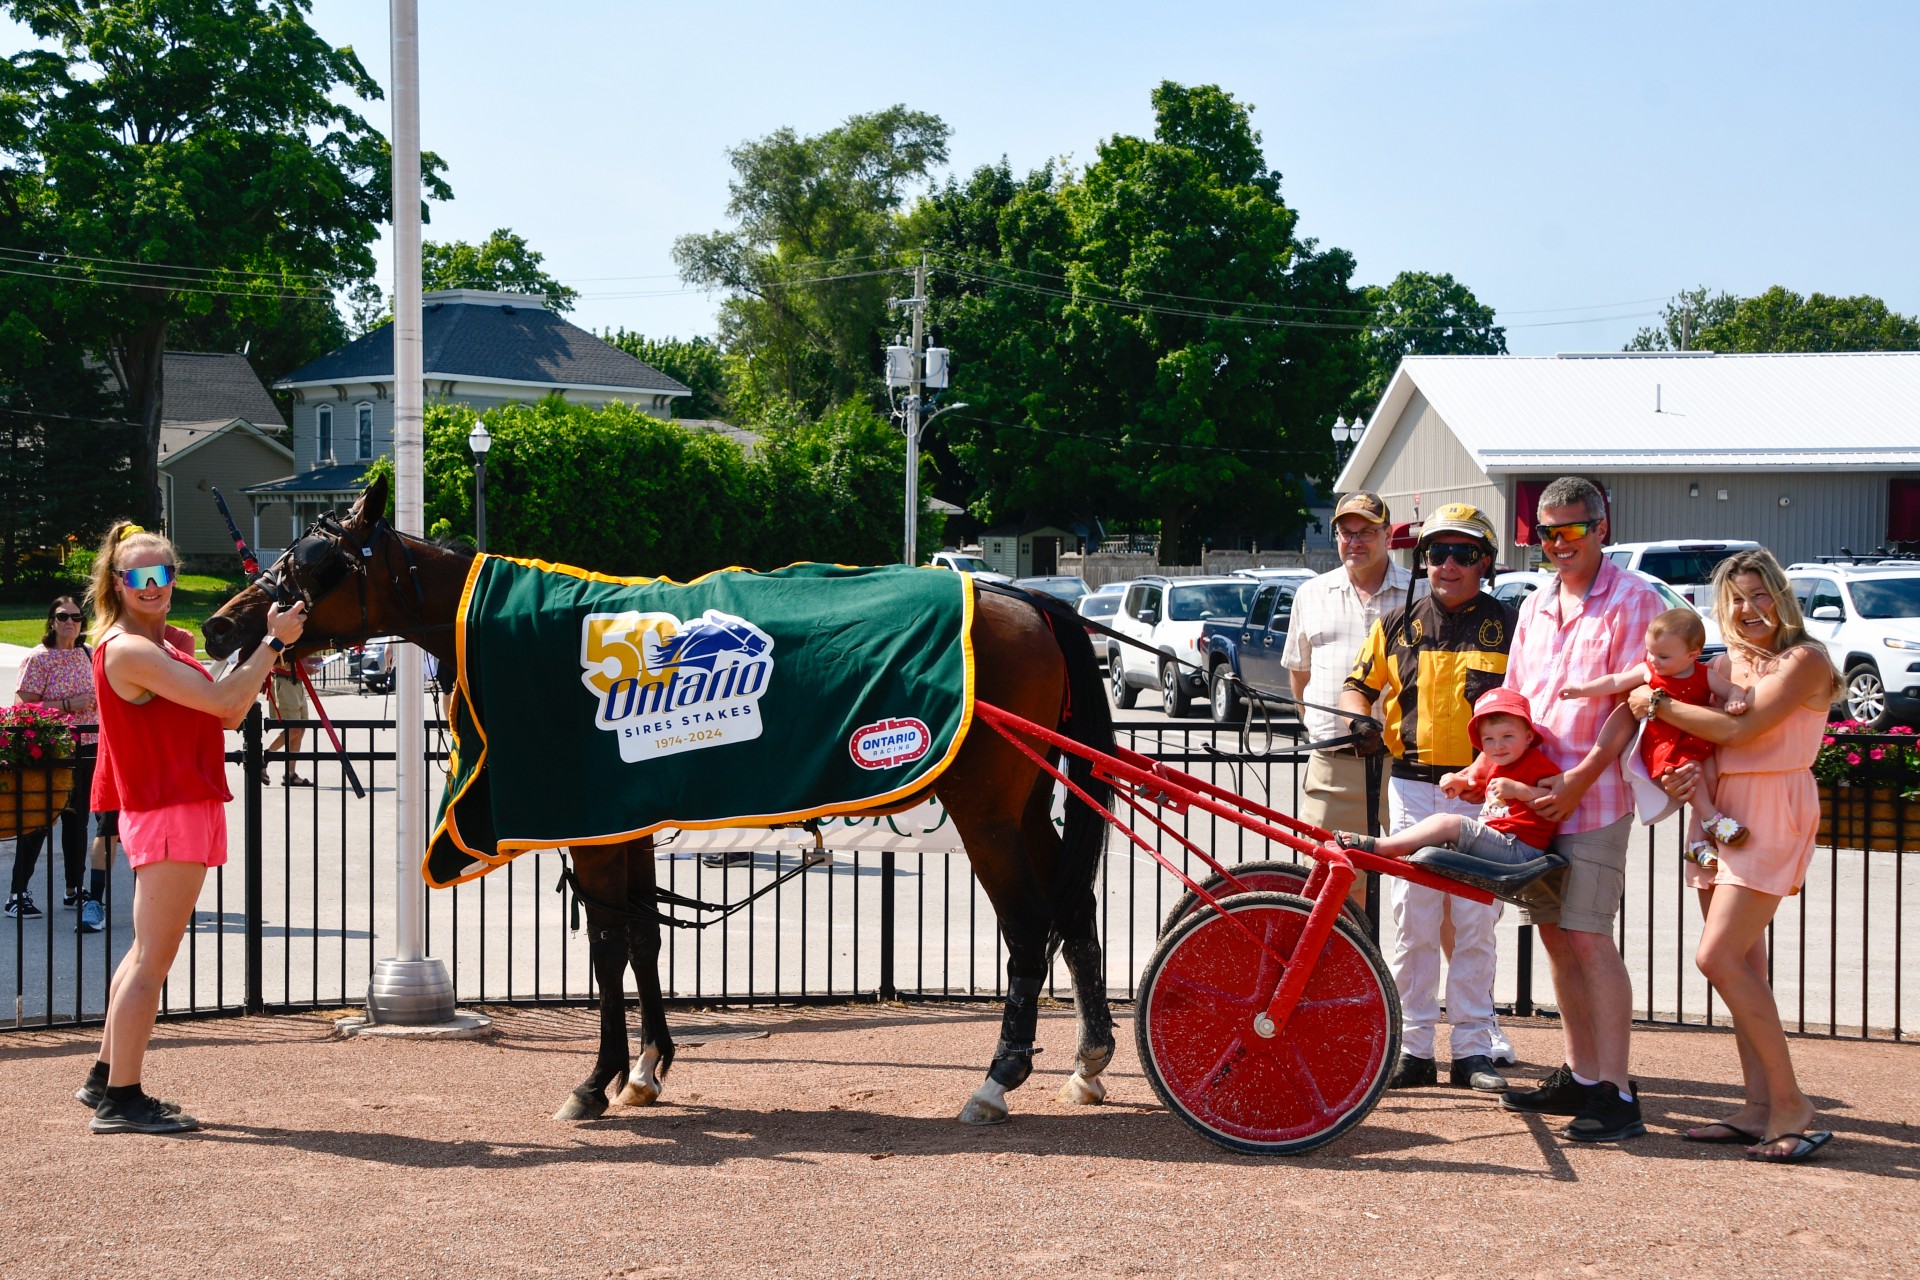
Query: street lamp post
x,y
479,441
1345,436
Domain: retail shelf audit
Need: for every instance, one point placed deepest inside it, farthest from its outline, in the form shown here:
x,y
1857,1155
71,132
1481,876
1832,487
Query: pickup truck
x,y
1250,648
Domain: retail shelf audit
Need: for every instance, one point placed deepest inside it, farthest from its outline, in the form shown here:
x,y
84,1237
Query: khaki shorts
x,y
1334,795
1596,878
287,699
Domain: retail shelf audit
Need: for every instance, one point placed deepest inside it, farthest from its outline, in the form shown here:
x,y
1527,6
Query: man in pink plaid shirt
x,y
1591,623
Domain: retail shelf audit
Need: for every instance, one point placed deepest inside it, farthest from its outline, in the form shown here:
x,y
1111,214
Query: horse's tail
x,y
1088,720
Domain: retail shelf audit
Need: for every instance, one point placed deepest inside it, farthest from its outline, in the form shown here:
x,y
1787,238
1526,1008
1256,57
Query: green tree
x,y
1782,320
189,150
1421,314
697,362
1150,337
1682,319
807,263
503,263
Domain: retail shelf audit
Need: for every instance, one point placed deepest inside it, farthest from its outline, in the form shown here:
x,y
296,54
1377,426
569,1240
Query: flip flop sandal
x,y
1729,1136
295,780
1804,1145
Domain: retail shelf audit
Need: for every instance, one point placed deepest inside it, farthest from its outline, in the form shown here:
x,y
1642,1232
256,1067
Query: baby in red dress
x,y
1673,666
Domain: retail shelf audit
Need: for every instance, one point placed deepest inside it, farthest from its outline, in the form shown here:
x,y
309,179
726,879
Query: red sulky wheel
x,y
1317,1078
1259,877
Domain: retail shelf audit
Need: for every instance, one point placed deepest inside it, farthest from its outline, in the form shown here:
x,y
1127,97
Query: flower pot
x,y
1868,818
32,796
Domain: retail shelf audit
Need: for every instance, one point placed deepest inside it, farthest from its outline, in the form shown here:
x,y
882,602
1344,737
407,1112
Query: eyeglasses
x,y
68,617
1460,553
1570,532
147,575
1365,534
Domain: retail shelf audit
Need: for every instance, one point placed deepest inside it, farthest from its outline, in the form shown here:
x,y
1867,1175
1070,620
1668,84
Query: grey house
x,y
479,349
1805,453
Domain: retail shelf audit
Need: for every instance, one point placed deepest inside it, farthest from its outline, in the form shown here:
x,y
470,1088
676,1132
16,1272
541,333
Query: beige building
x,y
1806,454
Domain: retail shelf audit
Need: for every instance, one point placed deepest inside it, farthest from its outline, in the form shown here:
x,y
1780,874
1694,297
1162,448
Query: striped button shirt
x,y
1430,664
1602,634
1329,624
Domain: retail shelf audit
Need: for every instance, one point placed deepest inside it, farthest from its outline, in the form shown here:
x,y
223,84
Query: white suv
x,y
1166,614
1869,619
1685,565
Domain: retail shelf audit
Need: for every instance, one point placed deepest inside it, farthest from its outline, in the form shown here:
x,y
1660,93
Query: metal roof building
x,y
1805,453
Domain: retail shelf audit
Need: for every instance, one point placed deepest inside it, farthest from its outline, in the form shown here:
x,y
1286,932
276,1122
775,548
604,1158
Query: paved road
x,y
1843,948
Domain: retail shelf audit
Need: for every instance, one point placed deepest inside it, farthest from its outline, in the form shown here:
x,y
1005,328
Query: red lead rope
x,y
300,669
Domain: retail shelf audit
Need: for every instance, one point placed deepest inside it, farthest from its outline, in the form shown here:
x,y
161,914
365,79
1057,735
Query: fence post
x,y
887,989
1523,1000
253,770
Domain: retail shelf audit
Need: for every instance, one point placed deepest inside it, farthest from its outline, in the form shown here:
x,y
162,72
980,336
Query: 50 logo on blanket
x,y
663,685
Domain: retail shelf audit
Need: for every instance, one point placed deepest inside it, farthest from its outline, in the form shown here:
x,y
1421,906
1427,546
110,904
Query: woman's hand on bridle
x,y
285,625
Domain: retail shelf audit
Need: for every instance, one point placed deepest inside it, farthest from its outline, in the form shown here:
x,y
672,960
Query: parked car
x,y
1516,586
960,562
1869,619
1249,647
1100,606
1263,574
1167,614
1068,587
1685,565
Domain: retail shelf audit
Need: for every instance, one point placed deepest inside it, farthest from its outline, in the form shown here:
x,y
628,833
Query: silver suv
x,y
1869,619
1166,614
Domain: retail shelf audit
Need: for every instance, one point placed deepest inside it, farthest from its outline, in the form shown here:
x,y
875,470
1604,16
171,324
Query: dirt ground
x,y
822,1143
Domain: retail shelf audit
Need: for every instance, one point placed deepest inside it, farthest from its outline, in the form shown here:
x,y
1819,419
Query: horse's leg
x,y
643,953
1080,948
603,876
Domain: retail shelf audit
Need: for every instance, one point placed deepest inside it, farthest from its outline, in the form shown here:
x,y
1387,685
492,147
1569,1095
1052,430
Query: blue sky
x,y
1551,156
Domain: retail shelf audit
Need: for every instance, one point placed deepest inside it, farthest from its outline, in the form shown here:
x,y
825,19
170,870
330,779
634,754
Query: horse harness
x,y
324,557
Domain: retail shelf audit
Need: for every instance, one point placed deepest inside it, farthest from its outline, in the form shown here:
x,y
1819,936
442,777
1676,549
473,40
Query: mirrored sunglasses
x,y
149,575
1572,532
1461,553
68,617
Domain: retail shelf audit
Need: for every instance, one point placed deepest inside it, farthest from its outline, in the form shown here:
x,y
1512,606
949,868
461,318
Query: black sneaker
x,y
91,1098
1558,1095
1607,1117
20,907
1413,1073
73,898
139,1114
1476,1072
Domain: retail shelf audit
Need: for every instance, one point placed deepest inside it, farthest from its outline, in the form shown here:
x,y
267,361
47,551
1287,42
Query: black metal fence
x,y
298,916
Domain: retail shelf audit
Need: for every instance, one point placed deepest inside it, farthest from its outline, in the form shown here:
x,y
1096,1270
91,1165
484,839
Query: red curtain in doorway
x,y
1526,505
1903,510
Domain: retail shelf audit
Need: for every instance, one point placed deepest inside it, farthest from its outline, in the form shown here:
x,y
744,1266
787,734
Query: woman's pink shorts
x,y
192,832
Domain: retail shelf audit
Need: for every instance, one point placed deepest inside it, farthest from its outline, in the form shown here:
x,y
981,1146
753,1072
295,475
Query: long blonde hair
x,y
124,538
1792,630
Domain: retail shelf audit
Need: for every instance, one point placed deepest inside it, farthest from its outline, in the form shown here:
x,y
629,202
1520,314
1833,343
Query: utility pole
x,y
915,369
1686,325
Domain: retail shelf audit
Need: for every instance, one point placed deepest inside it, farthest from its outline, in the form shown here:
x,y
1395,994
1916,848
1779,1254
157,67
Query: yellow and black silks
x,y
590,709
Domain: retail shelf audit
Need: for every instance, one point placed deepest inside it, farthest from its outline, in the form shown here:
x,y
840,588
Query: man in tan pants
x,y
1332,615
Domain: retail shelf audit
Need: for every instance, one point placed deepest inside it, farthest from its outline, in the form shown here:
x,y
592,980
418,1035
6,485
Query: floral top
x,y
48,675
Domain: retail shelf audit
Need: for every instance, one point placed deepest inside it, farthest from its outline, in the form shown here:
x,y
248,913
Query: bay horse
x,y
362,578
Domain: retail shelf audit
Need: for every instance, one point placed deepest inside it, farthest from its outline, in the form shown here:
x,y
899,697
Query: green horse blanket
x,y
591,709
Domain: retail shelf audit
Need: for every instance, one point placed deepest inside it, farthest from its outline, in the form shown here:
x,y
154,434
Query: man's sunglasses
x,y
1460,553
68,617
149,575
1571,532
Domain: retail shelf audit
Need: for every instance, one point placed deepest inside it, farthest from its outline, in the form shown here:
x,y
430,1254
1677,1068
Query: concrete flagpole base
x,y
414,998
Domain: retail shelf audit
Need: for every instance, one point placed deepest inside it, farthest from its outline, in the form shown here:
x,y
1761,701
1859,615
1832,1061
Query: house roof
x,y
321,482
202,386
178,439
498,337
1631,412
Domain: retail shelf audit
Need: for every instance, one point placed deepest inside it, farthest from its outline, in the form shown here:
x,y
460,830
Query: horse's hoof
x,y
639,1094
985,1107
1083,1091
576,1107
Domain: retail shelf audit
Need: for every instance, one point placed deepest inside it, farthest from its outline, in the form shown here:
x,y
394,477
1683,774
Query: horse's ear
x,y
372,505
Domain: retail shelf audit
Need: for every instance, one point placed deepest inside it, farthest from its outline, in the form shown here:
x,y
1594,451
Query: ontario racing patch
x,y
590,709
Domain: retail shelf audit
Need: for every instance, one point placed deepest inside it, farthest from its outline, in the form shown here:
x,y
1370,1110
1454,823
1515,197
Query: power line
x,y
1124,440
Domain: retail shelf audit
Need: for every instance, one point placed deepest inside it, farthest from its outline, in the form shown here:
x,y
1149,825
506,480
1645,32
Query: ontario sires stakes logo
x,y
664,685
886,743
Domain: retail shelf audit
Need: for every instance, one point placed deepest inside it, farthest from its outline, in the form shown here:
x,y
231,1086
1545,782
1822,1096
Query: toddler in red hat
x,y
1510,773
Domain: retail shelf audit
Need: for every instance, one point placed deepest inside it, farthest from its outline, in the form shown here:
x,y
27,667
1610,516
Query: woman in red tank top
x,y
162,765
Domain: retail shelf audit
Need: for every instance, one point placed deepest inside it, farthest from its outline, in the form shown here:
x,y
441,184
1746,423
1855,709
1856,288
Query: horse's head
x,y
320,568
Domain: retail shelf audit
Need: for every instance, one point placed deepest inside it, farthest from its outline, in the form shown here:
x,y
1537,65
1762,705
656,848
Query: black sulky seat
x,y
1527,884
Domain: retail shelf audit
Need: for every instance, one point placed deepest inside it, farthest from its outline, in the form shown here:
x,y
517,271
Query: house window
x,y
364,431
323,420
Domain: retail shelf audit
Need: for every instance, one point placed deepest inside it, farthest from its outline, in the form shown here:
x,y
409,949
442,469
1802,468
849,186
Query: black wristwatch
x,y
276,644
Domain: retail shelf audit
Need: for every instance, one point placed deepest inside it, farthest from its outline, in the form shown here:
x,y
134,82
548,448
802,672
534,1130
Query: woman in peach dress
x,y
1766,759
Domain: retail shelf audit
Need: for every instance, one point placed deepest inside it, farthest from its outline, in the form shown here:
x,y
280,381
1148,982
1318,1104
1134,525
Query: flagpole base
x,y
410,993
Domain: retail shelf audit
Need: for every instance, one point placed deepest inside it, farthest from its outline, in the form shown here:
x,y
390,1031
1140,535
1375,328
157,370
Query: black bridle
x,y
323,558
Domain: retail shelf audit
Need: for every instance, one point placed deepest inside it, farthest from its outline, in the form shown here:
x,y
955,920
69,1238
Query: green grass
x,y
195,596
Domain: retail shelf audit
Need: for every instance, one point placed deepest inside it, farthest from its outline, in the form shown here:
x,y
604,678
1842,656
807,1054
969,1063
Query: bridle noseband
x,y
323,558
